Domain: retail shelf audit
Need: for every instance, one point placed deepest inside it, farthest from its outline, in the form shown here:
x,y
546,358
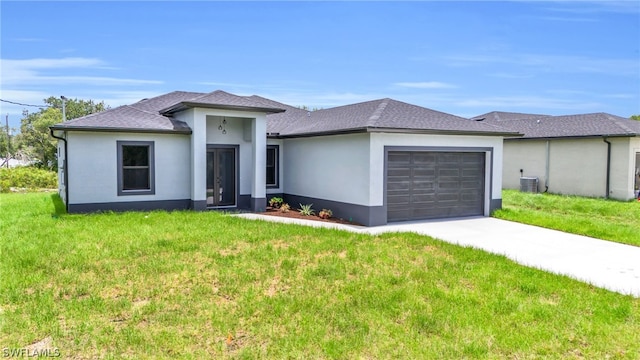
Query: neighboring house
x,y
372,162
595,155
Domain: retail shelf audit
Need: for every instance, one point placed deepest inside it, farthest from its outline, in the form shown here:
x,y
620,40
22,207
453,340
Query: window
x,y
136,175
272,166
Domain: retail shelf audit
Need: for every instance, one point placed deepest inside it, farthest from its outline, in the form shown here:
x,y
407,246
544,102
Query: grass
x,y
599,218
209,285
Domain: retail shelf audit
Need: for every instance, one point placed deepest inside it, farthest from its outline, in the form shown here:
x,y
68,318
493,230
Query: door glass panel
x,y
210,178
226,177
221,177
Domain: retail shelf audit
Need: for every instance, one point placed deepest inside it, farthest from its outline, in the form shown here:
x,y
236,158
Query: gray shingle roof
x,y
148,115
506,116
384,114
154,115
580,125
126,118
222,100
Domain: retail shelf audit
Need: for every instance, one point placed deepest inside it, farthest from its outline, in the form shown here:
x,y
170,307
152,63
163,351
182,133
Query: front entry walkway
x,y
605,264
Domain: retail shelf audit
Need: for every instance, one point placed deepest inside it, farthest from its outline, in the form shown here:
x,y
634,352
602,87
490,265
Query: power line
x,y
17,103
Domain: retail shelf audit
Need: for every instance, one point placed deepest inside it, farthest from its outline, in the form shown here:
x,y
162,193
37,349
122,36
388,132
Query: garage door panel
x,y
399,200
444,185
426,159
426,185
426,172
424,199
399,172
399,186
399,159
423,185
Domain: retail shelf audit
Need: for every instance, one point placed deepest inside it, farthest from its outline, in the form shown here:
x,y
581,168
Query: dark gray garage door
x,y
428,185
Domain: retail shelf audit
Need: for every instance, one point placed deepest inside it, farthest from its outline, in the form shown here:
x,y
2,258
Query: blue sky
x,y
464,58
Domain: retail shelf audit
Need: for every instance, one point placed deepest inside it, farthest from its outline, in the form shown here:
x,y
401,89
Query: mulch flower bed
x,y
295,214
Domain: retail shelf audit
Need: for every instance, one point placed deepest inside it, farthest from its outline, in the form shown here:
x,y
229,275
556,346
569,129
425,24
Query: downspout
x,y
604,138
546,167
64,167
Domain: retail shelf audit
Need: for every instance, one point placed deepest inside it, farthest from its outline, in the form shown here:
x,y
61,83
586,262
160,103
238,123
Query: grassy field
x,y
599,218
208,285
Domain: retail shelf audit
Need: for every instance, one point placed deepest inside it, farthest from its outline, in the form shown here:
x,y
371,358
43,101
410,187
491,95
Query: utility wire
x,y
17,103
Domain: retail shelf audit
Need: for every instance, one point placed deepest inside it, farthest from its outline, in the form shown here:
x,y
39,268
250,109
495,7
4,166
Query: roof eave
x,y
393,130
119,129
572,137
189,104
443,132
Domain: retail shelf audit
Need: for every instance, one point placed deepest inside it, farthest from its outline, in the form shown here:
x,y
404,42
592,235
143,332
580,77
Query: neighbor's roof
x,y
384,115
565,126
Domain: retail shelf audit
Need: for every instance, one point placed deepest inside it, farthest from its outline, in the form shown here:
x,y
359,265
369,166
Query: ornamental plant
x,y
275,202
325,214
306,210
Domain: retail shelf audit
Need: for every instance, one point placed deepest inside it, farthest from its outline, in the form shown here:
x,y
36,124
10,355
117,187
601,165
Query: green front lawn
x,y
599,218
208,285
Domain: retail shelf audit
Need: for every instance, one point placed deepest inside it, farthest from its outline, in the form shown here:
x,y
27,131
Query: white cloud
x,y
537,102
426,85
596,6
33,71
553,63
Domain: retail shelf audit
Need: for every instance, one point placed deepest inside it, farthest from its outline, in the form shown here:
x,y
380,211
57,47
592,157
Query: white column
x,y
199,161
259,156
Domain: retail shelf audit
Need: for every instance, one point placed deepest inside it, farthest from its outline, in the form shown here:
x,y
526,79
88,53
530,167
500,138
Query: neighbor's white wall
x,y
530,156
332,167
493,180
623,166
576,166
92,164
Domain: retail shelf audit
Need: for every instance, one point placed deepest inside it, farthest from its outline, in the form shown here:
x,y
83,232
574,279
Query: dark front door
x,y
221,177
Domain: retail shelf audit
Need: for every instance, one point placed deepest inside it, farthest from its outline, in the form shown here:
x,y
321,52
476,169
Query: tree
x,y
34,129
635,117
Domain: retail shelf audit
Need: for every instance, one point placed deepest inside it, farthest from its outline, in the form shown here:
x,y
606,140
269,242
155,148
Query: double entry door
x,y
221,177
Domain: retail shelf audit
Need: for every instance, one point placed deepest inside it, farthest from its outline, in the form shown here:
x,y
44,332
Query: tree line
x,y
34,142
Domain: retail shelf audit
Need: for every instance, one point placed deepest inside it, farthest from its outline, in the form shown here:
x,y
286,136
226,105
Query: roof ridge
x,y
620,123
144,111
92,114
378,111
210,93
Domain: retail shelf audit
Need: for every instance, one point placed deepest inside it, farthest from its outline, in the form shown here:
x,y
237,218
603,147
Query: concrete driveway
x,y
605,264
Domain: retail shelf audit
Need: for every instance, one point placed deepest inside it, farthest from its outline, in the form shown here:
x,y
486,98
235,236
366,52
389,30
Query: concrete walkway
x,y
605,264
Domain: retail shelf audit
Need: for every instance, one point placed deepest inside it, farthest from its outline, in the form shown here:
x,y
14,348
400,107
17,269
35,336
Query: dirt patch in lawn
x,y
295,214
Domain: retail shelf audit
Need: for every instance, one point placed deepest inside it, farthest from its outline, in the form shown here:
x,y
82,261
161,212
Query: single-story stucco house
x,y
595,155
372,162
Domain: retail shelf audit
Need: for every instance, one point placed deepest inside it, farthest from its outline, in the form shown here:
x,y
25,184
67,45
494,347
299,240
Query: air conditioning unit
x,y
529,184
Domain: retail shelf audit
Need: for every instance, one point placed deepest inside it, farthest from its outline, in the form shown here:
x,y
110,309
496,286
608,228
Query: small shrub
x,y
275,202
325,214
285,208
27,177
306,210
